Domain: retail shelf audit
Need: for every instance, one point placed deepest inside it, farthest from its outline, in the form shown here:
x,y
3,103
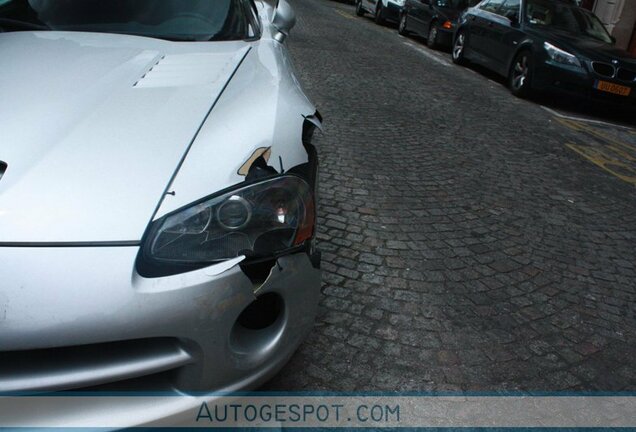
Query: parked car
x,y
434,20
546,45
382,10
156,223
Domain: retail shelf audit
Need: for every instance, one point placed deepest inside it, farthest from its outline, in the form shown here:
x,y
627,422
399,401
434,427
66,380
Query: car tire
x,y
359,10
520,77
402,25
431,40
459,48
379,14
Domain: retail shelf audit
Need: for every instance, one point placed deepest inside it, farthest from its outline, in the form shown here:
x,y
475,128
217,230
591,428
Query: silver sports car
x,y
157,195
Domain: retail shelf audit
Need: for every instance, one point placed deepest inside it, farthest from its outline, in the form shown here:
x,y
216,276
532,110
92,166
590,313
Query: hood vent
x,y
3,168
180,70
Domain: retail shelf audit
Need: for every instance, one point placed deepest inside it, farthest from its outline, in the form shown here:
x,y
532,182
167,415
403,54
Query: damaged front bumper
x,y
82,318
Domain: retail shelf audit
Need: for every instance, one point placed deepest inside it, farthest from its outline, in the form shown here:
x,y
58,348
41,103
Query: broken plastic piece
x,y
264,152
258,272
224,266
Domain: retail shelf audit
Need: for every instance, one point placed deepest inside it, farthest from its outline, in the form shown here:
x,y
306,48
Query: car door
x,y
504,34
480,24
420,8
427,14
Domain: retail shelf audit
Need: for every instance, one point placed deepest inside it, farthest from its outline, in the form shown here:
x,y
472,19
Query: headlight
x,y
258,220
560,56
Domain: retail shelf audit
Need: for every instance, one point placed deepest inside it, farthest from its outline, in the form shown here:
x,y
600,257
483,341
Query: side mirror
x,y
284,19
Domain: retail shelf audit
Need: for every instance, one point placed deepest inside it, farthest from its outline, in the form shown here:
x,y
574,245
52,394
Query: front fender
x,y
525,44
263,109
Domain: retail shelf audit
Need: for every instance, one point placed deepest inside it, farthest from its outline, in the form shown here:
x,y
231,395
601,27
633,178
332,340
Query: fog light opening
x,y
262,312
258,329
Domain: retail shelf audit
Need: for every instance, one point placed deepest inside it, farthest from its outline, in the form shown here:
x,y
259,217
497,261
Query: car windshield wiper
x,y
168,37
27,25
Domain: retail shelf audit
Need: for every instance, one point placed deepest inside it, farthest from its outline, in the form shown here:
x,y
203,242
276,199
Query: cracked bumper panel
x,y
58,299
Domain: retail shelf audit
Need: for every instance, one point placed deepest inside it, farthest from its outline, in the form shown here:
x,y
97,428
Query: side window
x,y
492,6
510,9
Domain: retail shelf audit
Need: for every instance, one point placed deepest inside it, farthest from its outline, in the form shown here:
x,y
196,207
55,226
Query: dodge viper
x,y
157,195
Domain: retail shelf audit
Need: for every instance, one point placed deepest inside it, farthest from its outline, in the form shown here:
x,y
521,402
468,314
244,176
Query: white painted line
x,y
583,119
428,54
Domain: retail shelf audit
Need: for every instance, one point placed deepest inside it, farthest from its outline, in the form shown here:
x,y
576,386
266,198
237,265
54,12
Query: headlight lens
x,y
560,56
259,220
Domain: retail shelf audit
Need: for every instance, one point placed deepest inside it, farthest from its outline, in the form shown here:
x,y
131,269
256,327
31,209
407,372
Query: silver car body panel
x,y
92,134
240,123
75,296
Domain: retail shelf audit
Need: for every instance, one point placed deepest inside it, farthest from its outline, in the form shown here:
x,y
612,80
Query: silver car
x,y
157,195
382,10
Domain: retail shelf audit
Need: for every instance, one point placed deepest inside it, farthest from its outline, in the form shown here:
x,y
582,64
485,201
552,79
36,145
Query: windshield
x,y
456,4
560,15
187,20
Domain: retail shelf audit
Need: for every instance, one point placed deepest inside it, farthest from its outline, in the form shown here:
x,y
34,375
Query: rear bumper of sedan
x,y
83,319
550,77
445,37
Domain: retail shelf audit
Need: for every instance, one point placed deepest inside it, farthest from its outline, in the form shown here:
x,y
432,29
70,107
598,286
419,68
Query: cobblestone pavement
x,y
466,244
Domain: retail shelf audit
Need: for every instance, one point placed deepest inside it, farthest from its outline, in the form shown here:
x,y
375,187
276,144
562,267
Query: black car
x,y
546,45
434,20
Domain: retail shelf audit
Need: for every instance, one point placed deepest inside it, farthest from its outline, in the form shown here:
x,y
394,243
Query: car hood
x,y
94,127
587,47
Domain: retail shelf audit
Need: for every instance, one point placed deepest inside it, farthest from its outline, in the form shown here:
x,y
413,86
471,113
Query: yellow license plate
x,y
613,88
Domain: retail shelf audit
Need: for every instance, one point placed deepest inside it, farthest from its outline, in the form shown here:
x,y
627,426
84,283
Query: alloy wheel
x,y
520,72
402,25
359,10
379,19
432,36
458,48
520,77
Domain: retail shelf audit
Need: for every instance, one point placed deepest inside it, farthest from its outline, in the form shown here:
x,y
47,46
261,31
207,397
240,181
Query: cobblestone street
x,y
471,240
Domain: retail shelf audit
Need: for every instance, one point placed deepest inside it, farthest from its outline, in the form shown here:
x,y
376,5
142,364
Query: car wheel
x,y
402,26
459,48
433,31
520,79
379,14
359,10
